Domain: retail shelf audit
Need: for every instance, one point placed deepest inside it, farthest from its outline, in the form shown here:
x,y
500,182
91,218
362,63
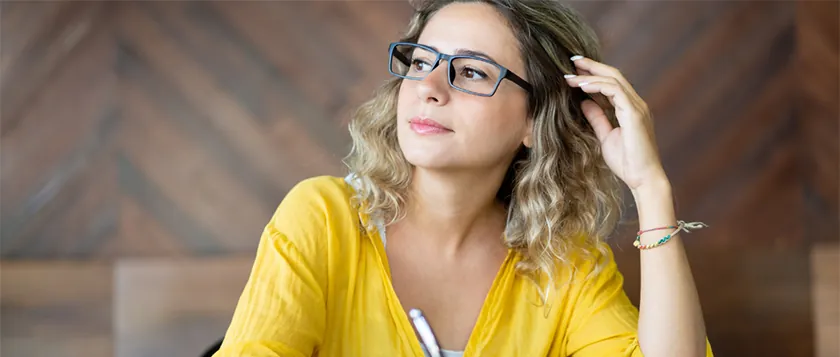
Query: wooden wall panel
x,y
818,81
55,161
165,307
49,33
59,308
825,269
169,131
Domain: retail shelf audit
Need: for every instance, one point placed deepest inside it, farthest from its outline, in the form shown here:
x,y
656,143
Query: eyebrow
x,y
468,52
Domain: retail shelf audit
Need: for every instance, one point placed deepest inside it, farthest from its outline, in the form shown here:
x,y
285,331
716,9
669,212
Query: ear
x,y
528,140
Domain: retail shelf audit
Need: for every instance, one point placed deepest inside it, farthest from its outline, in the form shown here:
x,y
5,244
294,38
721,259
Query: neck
x,y
455,209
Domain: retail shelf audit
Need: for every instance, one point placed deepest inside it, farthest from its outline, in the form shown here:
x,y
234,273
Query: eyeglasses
x,y
466,73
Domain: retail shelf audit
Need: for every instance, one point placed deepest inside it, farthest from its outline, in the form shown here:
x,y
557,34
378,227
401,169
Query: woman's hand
x,y
630,150
670,318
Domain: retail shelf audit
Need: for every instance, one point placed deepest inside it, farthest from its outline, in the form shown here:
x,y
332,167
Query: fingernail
x,y
575,58
569,75
581,84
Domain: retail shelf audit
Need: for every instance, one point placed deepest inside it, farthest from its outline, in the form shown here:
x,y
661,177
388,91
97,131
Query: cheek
x,y
404,99
499,123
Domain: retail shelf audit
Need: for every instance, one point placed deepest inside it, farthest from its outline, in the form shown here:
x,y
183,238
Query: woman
x,y
482,185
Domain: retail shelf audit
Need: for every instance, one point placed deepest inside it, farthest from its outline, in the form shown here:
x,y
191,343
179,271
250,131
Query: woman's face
x,y
480,132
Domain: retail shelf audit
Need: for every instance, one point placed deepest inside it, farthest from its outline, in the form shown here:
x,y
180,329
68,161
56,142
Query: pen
x,y
425,332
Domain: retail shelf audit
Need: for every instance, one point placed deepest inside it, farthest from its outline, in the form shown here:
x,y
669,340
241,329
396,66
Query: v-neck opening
x,y
398,310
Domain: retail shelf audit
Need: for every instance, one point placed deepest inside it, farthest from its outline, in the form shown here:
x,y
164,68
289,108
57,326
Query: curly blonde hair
x,y
562,199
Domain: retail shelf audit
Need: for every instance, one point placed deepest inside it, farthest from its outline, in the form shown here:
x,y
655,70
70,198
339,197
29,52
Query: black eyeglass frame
x,y
504,73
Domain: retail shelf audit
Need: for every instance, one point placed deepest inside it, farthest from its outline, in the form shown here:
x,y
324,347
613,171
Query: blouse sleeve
x,y
281,311
604,322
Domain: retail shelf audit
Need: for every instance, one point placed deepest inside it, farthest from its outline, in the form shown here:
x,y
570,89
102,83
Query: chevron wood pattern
x,y
148,130
818,36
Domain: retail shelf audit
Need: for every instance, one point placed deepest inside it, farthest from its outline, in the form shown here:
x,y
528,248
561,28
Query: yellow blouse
x,y
320,285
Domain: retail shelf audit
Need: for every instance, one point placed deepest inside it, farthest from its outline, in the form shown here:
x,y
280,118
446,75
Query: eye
x,y
471,73
420,65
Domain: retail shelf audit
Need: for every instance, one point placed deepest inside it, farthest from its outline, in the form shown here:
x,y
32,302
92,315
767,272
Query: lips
x,y
424,126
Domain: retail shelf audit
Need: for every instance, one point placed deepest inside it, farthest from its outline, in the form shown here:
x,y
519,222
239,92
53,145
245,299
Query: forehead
x,y
473,26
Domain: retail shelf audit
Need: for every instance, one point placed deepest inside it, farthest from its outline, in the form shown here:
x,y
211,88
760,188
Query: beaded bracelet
x,y
681,226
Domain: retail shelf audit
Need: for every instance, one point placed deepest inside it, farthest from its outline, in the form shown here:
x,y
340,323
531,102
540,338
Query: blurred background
x,y
146,144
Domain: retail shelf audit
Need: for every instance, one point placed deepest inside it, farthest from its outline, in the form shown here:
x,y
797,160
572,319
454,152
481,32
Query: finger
x,y
582,72
597,118
575,80
615,93
599,69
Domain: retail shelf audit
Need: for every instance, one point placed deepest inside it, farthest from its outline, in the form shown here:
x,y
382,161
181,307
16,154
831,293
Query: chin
x,y
424,152
428,159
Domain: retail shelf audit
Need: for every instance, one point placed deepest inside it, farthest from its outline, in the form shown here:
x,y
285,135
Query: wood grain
x,y
170,131
174,307
825,270
55,309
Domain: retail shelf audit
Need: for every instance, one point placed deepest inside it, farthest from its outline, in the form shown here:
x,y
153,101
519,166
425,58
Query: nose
x,y
434,89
